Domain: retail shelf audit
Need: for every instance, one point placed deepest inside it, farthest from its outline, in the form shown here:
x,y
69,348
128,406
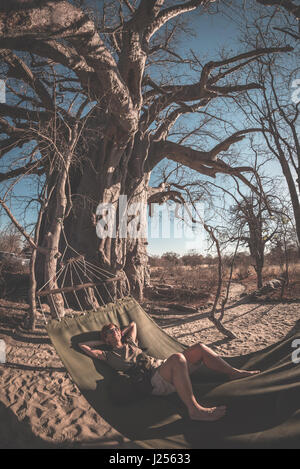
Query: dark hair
x,y
106,328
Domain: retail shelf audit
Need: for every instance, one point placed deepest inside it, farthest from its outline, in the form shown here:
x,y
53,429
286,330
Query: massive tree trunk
x,y
259,264
103,179
121,253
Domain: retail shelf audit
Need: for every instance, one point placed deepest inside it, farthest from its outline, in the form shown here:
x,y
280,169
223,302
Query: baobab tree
x,y
82,95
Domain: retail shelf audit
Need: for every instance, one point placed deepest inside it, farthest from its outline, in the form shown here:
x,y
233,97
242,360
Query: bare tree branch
x,y
18,69
21,229
72,24
288,5
205,88
30,168
169,13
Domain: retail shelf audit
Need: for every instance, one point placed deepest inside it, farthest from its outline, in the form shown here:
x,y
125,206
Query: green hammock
x,y
263,410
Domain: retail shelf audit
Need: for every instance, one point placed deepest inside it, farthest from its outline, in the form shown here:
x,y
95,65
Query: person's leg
x,y
201,353
176,371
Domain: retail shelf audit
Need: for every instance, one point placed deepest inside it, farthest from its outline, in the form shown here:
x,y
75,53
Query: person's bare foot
x,y
208,414
238,374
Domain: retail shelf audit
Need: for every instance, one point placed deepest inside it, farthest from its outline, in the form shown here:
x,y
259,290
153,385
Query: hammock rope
x,y
96,288
92,268
82,275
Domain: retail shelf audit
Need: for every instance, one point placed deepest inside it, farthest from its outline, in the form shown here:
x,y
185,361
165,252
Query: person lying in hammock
x,y
166,376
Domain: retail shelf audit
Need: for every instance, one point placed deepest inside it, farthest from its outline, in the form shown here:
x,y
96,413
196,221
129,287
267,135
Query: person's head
x,y
111,334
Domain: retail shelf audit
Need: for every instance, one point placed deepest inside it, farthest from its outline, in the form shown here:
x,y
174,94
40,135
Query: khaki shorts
x,y
161,387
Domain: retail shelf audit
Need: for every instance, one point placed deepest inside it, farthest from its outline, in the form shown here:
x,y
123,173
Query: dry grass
x,y
202,280
291,290
191,285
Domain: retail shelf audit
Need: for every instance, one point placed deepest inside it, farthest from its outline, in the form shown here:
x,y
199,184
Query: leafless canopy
x,y
106,65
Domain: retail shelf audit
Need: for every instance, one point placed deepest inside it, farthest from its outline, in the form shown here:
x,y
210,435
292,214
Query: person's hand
x,y
99,354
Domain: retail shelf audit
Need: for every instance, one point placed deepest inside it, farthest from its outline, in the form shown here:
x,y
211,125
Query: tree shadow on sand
x,y
15,434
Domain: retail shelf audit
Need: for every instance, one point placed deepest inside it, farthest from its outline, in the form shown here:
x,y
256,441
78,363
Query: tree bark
x,y
258,269
32,293
103,178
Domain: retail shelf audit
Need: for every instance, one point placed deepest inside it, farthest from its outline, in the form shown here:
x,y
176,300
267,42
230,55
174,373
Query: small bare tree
x,y
250,216
276,112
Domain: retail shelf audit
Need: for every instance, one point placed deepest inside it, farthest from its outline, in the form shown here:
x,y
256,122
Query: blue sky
x,y
214,32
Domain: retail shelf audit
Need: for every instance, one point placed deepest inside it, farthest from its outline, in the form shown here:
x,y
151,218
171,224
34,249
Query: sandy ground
x,y
40,407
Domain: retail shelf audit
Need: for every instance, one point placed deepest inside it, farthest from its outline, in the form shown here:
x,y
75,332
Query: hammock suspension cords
x,y
80,274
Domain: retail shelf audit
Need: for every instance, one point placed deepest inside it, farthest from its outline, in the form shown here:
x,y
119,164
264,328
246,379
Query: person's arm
x,y
92,343
130,331
92,352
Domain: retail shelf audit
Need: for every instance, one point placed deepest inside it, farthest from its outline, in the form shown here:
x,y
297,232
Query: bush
x,y
171,258
10,241
192,259
12,263
242,272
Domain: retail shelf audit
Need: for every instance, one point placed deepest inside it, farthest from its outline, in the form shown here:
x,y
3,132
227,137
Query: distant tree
x,y
154,260
172,258
251,223
284,246
209,260
192,258
11,240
